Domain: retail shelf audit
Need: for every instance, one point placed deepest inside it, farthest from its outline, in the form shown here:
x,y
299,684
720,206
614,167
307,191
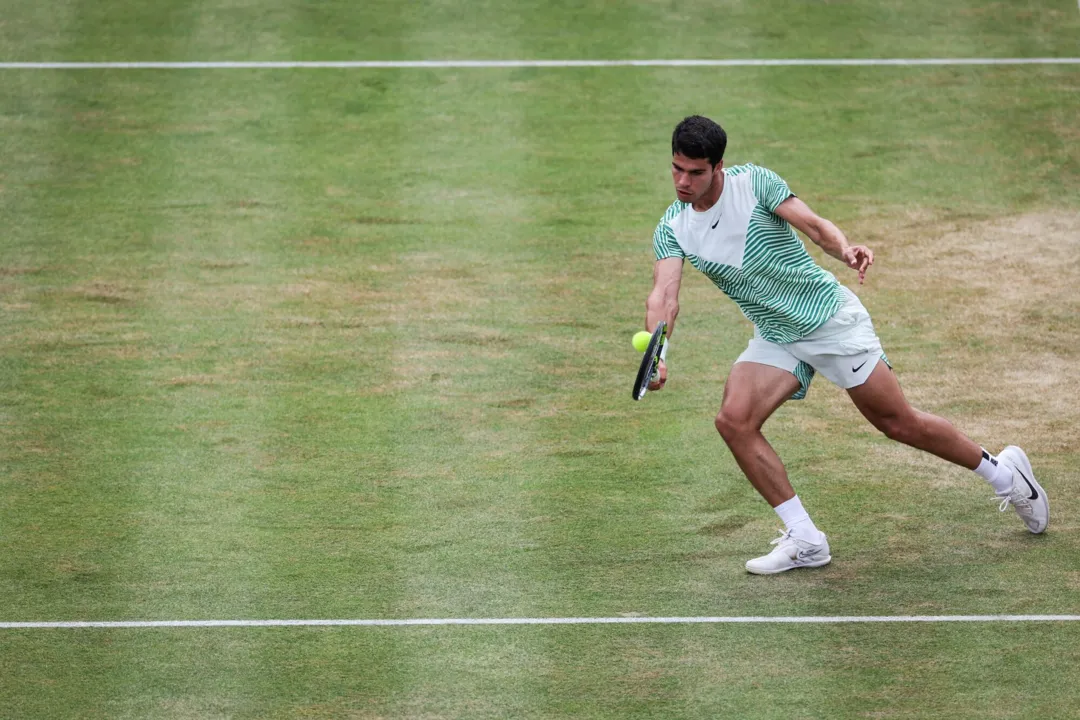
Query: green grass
x,y
355,344
677,671
341,30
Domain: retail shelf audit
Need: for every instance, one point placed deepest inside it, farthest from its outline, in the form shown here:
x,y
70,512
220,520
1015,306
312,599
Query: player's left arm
x,y
826,235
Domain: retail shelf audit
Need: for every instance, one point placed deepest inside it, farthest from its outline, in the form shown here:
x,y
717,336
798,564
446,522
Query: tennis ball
x,y
641,340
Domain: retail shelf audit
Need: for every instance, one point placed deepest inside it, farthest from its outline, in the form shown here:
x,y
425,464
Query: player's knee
x,y
901,428
731,425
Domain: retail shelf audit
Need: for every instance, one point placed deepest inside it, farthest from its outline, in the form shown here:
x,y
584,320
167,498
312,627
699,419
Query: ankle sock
x,y
797,520
993,472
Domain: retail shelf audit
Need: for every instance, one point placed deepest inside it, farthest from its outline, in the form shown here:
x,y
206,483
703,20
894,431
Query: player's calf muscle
x,y
932,434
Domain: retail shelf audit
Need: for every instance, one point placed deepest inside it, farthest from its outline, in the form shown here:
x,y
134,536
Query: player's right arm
x,y
663,301
663,304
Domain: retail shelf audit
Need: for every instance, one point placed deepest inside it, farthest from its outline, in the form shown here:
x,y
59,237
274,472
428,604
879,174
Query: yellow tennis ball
x,y
641,340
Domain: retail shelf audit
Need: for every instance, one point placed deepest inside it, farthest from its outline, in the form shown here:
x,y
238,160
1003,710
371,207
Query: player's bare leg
x,y
882,402
752,394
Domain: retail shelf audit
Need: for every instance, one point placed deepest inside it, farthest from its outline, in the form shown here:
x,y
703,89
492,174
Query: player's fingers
x,y
659,377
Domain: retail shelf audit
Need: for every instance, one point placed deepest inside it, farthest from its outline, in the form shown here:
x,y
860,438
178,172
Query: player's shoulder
x,y
673,211
768,188
749,169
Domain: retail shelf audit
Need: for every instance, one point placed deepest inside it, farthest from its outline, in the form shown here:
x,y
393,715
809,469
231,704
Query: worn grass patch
x,y
1000,308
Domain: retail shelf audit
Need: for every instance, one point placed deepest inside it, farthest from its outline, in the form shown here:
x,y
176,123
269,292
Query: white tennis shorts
x,y
845,349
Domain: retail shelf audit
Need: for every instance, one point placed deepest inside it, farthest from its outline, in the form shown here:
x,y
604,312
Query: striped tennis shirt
x,y
753,255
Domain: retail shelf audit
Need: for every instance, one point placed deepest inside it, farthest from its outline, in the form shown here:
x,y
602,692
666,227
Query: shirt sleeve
x,y
664,243
769,188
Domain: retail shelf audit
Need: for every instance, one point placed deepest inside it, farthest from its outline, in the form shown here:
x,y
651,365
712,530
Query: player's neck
x,y
712,197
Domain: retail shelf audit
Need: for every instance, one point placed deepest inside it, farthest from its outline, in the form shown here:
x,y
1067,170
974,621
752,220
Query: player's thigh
x,y
880,399
754,391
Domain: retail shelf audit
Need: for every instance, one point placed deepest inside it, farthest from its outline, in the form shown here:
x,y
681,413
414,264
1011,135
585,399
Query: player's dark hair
x,y
699,137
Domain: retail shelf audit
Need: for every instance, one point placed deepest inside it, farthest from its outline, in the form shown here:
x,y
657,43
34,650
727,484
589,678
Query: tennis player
x,y
735,225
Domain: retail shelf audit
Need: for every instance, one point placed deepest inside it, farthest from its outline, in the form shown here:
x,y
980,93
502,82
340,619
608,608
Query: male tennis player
x,y
735,225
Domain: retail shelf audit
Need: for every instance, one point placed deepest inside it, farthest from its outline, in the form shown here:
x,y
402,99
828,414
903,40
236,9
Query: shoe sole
x,y
814,564
1025,465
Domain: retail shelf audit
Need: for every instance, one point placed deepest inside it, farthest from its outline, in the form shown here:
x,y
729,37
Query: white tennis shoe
x,y
1027,497
790,553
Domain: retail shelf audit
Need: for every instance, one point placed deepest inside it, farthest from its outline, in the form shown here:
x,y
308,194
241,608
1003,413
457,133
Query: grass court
x,y
296,343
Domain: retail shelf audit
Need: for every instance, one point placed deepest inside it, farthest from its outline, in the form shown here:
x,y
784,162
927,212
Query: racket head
x,y
649,361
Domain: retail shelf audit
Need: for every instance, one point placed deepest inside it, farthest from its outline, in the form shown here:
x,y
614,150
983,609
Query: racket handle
x,y
655,377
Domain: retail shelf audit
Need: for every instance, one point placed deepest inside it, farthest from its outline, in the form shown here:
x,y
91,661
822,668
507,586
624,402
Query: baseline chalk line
x,y
631,620
463,64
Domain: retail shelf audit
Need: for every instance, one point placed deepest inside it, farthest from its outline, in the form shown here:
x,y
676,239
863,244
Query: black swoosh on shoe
x,y
1034,492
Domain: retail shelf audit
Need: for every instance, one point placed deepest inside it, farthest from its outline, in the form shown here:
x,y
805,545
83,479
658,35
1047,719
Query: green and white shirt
x,y
753,255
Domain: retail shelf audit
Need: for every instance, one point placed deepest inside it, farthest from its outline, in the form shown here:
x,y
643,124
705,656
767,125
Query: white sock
x,y
797,520
993,472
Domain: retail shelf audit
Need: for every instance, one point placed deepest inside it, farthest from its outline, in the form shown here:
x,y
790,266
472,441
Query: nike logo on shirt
x,y
715,224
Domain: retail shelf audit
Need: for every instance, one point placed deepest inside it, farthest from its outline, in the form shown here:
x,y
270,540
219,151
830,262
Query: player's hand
x,y
660,377
859,257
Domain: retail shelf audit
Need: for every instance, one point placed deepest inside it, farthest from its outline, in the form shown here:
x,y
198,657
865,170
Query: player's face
x,y
693,177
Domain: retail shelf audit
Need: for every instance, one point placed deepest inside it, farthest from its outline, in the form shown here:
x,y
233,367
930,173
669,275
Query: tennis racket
x,y
650,361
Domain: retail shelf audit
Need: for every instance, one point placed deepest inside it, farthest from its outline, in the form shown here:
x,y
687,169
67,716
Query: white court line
x,y
719,620
373,64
